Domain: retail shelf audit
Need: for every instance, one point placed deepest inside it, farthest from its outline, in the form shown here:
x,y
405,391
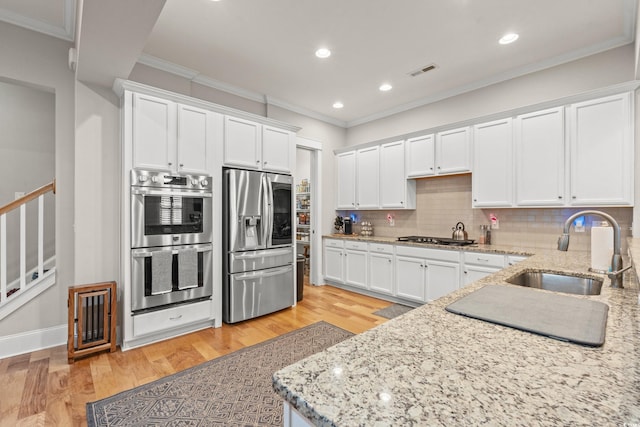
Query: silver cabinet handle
x,y
178,317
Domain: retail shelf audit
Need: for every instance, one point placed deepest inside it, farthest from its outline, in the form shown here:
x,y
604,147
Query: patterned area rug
x,y
394,310
232,390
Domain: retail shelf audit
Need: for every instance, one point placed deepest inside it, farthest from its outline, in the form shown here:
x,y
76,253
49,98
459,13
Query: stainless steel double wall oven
x,y
171,239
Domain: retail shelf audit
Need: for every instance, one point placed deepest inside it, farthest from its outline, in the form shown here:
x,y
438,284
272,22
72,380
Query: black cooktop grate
x,y
436,240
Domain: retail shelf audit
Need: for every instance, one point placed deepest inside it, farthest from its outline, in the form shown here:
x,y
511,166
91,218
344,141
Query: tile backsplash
x,y
442,202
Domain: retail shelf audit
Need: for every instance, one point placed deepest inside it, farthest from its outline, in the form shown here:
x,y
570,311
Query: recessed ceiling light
x,y
508,38
385,87
338,104
323,52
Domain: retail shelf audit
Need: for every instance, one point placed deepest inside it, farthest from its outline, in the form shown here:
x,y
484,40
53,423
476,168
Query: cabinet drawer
x,y
490,260
359,246
381,248
428,253
170,318
334,243
514,259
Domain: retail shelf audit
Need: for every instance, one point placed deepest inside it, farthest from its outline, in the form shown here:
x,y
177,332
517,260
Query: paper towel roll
x,y
601,248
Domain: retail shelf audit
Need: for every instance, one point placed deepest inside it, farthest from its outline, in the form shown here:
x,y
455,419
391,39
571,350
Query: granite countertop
x,y
432,367
498,249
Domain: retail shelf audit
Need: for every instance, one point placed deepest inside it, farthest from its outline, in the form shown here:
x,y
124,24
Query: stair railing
x,y
20,203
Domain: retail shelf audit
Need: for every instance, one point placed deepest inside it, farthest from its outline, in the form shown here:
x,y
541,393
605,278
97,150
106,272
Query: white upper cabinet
x,y
170,136
395,191
421,160
254,146
154,132
601,151
445,153
194,138
368,178
242,143
346,180
452,151
278,149
540,158
492,164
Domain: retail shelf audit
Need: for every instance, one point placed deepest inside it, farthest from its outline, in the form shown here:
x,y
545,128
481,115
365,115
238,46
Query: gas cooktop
x,y
436,240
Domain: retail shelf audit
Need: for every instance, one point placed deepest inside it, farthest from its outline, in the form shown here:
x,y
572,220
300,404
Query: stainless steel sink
x,y
558,282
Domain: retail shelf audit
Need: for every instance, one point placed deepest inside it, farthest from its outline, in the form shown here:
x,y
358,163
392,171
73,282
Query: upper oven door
x,y
169,217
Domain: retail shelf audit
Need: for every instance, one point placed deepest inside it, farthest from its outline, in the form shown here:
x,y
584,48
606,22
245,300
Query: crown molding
x,y
196,77
64,32
498,78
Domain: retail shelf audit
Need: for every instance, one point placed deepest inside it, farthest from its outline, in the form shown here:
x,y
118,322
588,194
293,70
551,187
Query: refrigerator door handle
x,y
264,273
271,212
263,254
267,224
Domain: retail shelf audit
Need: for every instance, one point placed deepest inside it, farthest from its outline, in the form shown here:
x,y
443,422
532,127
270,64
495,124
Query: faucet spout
x,y
616,259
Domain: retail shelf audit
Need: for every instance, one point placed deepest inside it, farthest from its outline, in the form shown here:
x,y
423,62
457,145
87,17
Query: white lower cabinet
x,y
381,267
174,317
424,274
410,273
411,279
478,265
355,263
333,265
443,277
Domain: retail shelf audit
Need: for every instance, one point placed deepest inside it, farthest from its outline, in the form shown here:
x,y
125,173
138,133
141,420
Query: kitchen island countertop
x,y
432,367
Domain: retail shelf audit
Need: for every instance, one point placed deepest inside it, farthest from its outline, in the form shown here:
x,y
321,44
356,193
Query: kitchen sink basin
x,y
558,282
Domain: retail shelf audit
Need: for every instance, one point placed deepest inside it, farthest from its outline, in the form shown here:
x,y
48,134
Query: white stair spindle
x,y
3,258
40,236
23,246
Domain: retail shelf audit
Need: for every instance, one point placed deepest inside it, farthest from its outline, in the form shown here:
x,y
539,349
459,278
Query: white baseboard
x,y
26,342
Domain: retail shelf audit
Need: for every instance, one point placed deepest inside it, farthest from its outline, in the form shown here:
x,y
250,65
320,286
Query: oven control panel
x,y
157,179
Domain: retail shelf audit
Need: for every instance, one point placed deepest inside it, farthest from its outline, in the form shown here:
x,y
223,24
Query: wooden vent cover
x,y
92,319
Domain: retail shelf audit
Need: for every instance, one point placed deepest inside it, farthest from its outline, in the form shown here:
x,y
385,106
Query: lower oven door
x,y
170,275
255,293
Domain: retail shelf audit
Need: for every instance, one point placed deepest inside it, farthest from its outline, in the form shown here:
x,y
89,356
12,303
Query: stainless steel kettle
x,y
459,233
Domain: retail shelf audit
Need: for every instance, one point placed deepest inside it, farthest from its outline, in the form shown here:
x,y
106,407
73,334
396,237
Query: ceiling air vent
x,y
422,70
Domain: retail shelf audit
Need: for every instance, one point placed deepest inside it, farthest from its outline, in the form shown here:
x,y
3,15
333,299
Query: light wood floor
x,y
41,389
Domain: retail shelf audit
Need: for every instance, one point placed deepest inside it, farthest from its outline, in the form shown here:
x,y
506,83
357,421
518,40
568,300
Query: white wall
x,y
42,61
97,184
593,72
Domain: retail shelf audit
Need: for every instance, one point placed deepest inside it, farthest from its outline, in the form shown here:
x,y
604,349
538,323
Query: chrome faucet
x,y
616,260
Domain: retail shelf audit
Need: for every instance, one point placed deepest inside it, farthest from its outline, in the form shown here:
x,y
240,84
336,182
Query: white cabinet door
x,y
154,132
473,273
540,160
346,180
368,178
410,278
277,149
420,152
601,144
333,266
453,151
492,164
381,272
355,268
442,278
393,183
194,139
242,143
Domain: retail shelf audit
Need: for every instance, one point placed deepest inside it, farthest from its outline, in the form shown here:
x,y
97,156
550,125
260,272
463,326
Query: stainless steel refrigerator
x,y
258,244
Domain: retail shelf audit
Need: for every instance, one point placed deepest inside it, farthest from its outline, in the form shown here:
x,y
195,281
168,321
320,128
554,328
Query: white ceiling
x,y
264,49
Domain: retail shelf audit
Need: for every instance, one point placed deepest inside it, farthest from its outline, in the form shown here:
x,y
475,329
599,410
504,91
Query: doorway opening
x,y
308,180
